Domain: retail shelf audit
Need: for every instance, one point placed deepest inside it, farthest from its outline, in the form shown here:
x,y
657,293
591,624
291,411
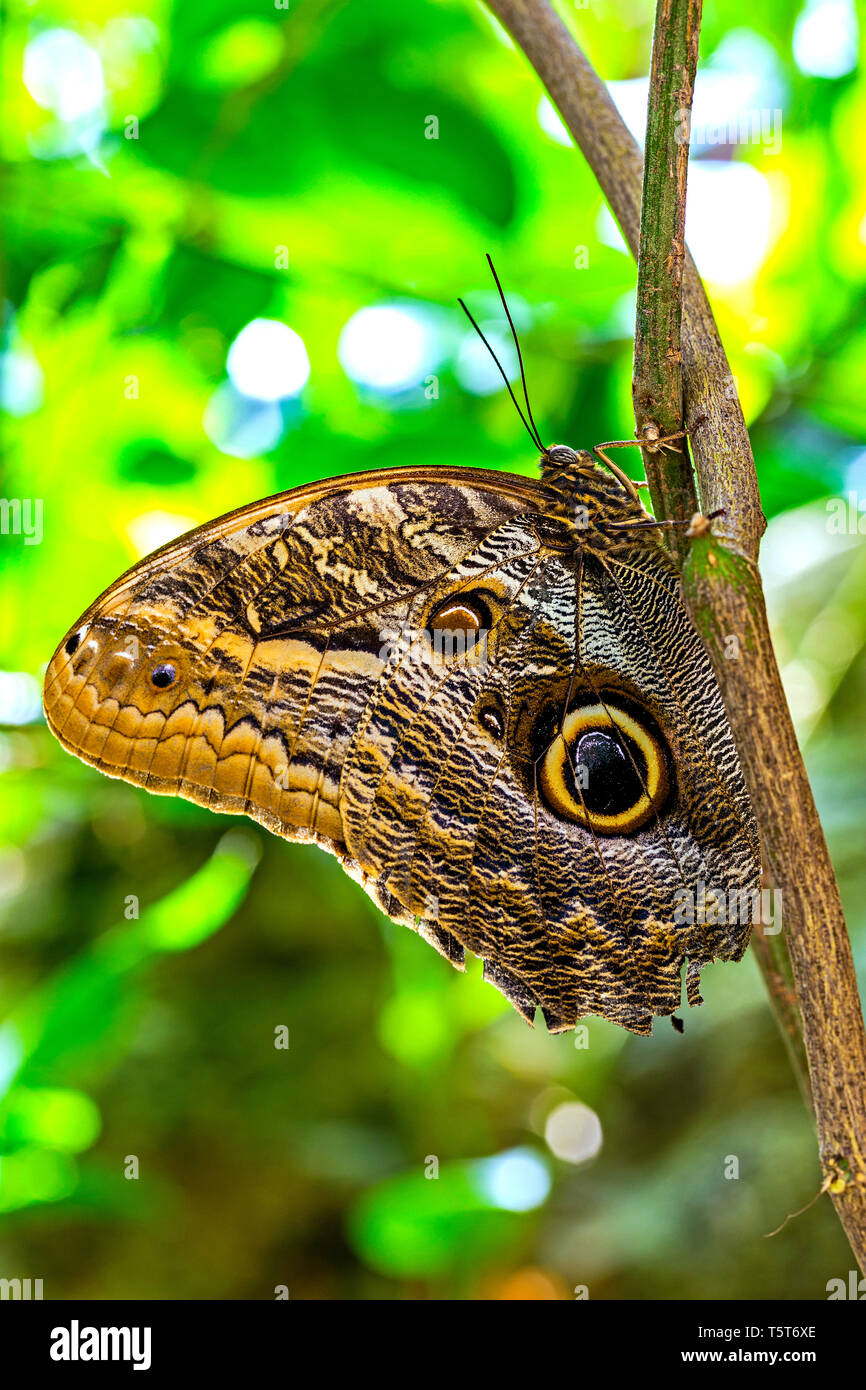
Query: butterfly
x,y
480,691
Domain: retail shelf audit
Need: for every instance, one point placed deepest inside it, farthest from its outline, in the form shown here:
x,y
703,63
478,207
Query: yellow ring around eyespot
x,y
556,791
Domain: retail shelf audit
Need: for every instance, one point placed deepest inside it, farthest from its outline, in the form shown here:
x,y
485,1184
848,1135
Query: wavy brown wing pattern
x,y
386,665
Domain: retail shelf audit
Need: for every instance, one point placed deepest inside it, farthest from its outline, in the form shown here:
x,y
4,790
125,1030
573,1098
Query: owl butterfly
x,y
480,692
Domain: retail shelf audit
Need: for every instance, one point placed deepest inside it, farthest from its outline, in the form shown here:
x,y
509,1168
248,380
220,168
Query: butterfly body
x,y
481,692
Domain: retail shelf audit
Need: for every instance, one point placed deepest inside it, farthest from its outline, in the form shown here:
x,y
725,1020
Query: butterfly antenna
x,y
533,434
536,434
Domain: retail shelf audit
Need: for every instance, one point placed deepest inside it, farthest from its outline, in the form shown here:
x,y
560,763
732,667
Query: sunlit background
x,y
234,236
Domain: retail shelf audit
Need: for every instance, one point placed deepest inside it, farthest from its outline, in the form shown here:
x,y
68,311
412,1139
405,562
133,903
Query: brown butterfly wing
x,y
273,621
308,693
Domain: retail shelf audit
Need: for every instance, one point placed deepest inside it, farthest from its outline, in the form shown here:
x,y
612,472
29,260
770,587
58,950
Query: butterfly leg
x,y
628,483
652,440
698,524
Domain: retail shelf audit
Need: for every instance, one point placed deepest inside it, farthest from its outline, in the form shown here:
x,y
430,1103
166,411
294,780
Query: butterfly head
x,y
567,472
563,460
596,506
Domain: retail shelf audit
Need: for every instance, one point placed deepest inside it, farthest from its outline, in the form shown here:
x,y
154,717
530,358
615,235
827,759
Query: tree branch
x,y
657,386
723,589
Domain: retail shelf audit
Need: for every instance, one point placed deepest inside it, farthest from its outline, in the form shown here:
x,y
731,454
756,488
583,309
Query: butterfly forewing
x,y
273,622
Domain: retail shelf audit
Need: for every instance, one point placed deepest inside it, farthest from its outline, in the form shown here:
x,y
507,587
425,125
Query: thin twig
x,y
657,385
723,588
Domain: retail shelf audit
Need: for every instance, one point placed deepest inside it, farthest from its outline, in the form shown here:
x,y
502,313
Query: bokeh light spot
x,y
20,382
728,220
826,38
573,1132
20,698
517,1180
388,348
240,426
63,74
268,361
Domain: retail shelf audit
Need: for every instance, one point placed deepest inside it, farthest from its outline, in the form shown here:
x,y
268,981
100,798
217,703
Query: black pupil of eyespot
x,y
72,643
609,784
163,675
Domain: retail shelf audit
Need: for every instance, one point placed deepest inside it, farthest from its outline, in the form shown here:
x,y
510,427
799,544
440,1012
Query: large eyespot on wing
x,y
607,769
232,666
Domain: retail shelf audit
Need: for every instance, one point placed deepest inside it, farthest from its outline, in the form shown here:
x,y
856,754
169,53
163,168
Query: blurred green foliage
x,y
171,174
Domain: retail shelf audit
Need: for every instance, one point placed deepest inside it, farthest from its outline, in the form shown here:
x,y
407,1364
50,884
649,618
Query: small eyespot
x,y
163,675
72,643
459,625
